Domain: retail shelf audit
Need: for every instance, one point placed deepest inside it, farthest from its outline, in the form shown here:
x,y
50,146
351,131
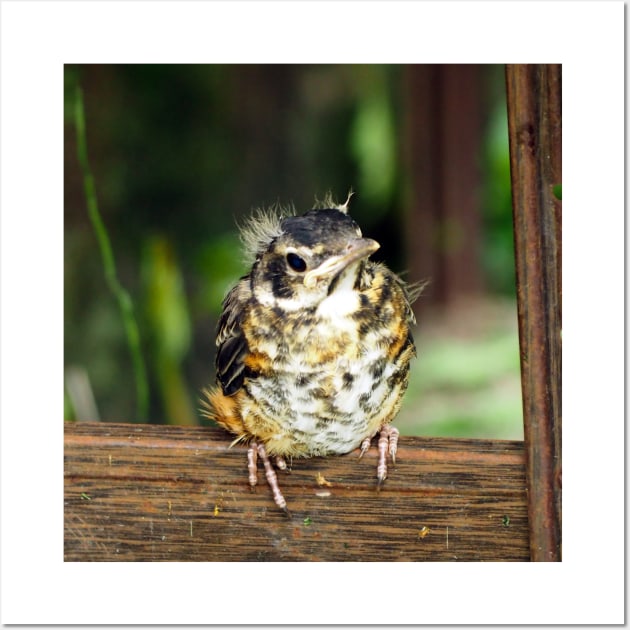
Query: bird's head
x,y
300,260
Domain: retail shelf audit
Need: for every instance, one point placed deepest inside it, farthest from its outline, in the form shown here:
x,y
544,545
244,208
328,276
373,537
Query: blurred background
x,y
180,154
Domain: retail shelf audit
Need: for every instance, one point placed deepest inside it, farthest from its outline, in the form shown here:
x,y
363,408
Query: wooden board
x,y
534,97
161,493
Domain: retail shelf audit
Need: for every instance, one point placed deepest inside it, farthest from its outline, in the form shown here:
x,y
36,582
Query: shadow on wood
x,y
161,493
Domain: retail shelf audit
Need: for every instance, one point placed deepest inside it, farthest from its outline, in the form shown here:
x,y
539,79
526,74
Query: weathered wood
x,y
535,130
156,493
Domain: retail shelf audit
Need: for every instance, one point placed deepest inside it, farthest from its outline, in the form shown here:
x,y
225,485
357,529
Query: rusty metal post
x,y
534,96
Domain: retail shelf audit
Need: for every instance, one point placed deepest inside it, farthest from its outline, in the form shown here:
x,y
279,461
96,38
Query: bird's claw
x,y
365,445
387,446
256,450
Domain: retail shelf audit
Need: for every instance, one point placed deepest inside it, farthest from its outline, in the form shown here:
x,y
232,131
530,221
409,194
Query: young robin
x,y
314,344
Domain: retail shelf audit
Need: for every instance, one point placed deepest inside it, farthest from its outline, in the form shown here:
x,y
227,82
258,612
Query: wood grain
x,y
534,97
158,493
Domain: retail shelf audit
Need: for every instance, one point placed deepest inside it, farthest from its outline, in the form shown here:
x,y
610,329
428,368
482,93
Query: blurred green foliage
x,y
467,387
373,141
109,265
167,326
180,154
217,260
498,244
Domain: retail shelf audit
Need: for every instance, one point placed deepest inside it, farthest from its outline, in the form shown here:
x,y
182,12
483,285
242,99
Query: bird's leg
x,y
387,445
252,459
272,479
365,445
253,451
393,442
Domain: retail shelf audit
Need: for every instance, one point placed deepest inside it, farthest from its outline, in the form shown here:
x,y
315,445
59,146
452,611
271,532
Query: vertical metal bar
x,y
535,132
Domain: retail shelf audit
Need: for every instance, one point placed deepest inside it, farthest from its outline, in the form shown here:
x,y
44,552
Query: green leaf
x,y
557,191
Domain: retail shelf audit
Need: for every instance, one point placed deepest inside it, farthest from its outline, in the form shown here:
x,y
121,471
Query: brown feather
x,y
223,410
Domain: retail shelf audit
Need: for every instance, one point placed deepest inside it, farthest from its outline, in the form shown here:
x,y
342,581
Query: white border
x,y
37,38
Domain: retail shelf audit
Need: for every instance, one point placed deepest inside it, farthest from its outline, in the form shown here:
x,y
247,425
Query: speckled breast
x,y
321,381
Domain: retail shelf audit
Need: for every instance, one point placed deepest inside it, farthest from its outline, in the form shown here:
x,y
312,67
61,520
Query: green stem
x,y
109,265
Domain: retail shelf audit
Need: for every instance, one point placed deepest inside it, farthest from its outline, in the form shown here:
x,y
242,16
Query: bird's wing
x,y
411,292
231,343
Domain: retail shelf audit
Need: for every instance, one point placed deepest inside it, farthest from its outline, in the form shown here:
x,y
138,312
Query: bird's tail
x,y
223,410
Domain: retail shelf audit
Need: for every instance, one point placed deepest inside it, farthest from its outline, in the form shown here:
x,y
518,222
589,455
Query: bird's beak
x,y
355,250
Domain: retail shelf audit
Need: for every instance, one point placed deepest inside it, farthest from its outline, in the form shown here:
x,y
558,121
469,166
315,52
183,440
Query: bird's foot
x,y
256,450
387,445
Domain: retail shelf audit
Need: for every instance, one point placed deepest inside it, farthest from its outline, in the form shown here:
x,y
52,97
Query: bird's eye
x,y
295,262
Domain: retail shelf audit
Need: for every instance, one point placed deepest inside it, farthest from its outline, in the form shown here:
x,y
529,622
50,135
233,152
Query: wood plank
x,y
163,493
535,130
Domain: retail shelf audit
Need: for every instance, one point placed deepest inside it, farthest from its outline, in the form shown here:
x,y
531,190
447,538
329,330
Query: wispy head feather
x,y
329,202
261,228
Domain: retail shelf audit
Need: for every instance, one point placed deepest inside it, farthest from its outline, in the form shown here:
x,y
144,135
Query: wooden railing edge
x,y
150,492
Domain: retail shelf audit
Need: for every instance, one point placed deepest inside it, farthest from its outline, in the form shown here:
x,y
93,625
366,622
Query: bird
x,y
314,344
